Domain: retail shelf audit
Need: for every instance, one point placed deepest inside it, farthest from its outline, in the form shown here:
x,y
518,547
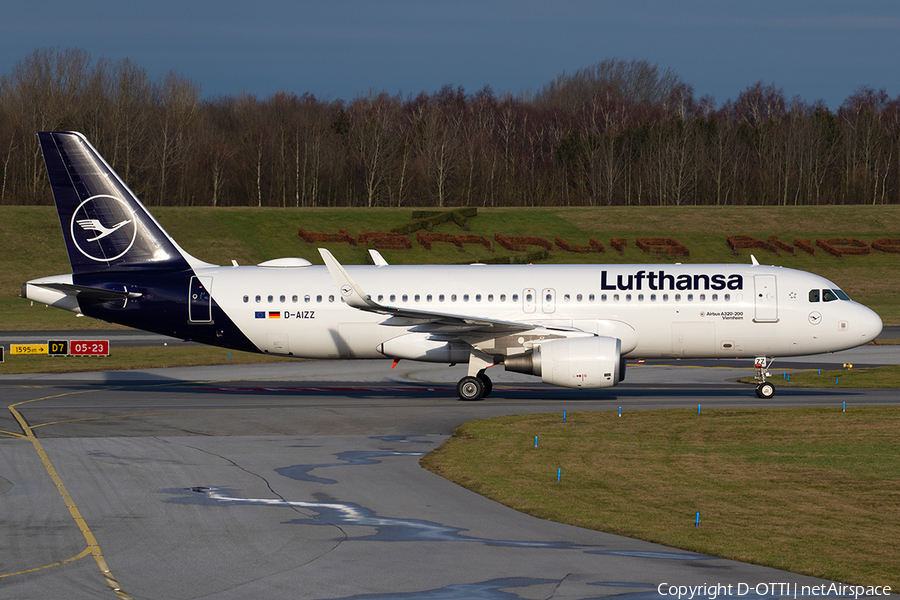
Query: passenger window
x,y
318,298
465,297
578,297
441,298
665,297
477,297
246,299
616,297
295,299
677,297
828,296
271,298
393,297
640,297
528,297
405,297
690,297
259,298
490,297
727,297
452,297
502,297
652,297
515,297
306,298
281,299
591,298
715,297
417,297
628,297
813,295
702,297
380,297
331,298
428,297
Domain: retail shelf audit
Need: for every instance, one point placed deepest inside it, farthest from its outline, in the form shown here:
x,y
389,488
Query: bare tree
x,y
179,99
373,121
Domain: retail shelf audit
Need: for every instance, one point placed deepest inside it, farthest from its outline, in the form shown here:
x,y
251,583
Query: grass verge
x,y
809,490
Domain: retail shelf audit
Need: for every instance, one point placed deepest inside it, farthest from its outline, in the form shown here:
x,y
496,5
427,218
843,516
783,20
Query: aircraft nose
x,y
869,324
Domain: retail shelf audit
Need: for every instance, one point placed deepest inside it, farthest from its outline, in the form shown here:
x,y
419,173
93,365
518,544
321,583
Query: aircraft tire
x,y
488,384
470,389
765,390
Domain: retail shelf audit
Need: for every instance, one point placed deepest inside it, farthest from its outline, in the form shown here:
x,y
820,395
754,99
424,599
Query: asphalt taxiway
x,y
301,480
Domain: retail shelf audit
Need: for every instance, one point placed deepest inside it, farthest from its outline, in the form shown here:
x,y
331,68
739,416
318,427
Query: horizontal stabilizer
x,y
83,292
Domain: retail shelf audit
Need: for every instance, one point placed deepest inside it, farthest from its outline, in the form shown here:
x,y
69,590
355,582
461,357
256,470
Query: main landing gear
x,y
474,388
476,385
764,389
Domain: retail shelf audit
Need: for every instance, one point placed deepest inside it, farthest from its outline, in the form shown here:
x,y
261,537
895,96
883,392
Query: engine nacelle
x,y
591,362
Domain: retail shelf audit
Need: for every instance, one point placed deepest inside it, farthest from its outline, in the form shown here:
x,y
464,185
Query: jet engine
x,y
590,362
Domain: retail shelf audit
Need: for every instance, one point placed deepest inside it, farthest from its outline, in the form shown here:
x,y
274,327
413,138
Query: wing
x,y
422,320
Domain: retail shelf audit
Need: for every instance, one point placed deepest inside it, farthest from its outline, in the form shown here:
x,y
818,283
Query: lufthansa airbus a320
x,y
571,325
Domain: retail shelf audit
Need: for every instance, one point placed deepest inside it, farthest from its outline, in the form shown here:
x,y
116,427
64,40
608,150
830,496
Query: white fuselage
x,y
656,310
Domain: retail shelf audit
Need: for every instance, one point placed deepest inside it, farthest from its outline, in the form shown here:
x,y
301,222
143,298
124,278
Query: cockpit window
x,y
827,295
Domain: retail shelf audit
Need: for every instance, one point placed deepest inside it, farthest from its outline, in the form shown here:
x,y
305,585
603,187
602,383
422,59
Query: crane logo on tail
x,y
103,228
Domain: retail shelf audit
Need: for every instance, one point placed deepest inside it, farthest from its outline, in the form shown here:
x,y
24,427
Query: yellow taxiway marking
x,y
92,546
84,553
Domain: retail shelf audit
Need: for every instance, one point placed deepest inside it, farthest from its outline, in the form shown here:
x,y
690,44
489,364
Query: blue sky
x,y
815,49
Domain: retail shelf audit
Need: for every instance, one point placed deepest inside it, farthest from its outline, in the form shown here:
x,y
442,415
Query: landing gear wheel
x,y
470,389
765,390
488,385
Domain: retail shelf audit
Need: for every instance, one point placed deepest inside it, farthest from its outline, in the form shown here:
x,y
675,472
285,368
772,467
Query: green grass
x,y
809,490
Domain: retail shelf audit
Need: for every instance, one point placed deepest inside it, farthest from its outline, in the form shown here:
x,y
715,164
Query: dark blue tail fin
x,y
104,224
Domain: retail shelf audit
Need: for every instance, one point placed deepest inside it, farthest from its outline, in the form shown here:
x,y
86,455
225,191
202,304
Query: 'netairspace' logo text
x,y
834,590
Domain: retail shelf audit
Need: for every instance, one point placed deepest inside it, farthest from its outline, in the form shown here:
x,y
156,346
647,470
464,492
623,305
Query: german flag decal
x,y
274,314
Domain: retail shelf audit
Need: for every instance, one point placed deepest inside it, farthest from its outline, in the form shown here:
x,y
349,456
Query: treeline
x,y
616,133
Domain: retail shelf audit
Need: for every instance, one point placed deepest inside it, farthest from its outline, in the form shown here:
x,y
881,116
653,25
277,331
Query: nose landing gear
x,y
764,389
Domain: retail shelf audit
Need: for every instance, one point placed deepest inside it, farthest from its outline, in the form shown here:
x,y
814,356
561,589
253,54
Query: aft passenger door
x,y
199,300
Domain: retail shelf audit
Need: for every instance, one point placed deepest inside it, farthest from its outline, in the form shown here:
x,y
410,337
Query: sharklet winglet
x,y
350,291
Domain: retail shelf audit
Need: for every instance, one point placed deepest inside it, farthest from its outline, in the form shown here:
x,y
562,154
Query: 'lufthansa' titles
x,y
660,280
